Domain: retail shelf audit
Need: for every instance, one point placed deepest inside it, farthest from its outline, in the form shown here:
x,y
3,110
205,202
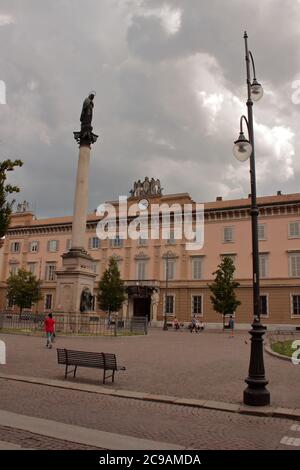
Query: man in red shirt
x,y
49,328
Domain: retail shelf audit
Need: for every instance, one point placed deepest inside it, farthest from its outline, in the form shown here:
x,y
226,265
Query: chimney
x,y
219,198
279,193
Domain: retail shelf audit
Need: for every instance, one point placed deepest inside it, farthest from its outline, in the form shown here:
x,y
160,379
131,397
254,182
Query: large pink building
x,y
37,245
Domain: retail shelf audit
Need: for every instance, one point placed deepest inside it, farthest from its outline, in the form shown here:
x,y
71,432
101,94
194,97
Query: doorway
x,y
141,307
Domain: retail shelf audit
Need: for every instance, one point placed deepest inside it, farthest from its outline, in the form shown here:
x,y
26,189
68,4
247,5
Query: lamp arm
x,y
253,66
243,117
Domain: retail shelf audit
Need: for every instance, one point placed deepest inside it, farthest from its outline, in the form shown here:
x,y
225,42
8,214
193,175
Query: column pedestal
x,y
75,276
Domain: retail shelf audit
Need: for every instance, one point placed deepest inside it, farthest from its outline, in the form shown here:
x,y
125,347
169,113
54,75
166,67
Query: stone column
x,y
81,198
76,276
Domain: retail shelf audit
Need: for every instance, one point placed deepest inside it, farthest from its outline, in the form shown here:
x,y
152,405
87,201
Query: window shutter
x,y
90,243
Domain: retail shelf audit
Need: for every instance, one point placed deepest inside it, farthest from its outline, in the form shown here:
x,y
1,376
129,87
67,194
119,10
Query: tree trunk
x,y
21,308
223,322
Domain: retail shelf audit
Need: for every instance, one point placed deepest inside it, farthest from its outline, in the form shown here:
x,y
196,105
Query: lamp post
x,y
256,393
165,328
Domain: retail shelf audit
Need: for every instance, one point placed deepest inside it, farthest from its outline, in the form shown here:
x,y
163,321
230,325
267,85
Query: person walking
x,y
49,328
231,327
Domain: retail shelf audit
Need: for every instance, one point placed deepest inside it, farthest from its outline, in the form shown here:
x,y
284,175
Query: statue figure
x,y
87,112
157,187
139,188
146,185
152,186
86,300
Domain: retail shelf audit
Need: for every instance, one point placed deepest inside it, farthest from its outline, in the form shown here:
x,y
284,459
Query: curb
x,y
102,440
267,411
270,351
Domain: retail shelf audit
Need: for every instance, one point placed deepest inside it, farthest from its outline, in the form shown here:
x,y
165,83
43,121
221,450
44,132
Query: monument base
x,y
75,277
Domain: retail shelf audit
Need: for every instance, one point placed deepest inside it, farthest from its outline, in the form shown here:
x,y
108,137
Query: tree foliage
x,y
5,191
111,291
223,296
23,289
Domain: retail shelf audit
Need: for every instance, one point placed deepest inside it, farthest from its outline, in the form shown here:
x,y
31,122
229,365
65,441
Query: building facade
x,y
161,275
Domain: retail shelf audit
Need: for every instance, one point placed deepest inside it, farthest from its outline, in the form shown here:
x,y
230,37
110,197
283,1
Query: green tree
x,y
111,291
224,298
5,190
23,289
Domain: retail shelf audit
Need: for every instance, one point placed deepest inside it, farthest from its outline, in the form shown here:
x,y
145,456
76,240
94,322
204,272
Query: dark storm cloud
x,y
169,78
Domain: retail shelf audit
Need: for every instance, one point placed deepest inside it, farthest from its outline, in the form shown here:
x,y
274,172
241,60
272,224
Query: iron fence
x,y
74,324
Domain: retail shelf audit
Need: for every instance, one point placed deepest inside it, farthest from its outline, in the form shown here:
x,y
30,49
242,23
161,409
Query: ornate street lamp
x,y
165,328
256,393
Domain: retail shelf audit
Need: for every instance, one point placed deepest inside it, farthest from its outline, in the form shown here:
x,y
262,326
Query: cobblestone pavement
x,y
29,440
186,426
206,365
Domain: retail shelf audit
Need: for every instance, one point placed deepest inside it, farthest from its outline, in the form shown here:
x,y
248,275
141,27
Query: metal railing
x,y
74,324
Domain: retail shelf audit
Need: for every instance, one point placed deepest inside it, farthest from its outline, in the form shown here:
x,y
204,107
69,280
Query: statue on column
x,y
86,136
86,116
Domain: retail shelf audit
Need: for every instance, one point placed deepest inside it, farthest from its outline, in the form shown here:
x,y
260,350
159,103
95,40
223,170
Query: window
x,y
228,234
52,245
31,267
142,241
261,231
141,270
294,229
94,243
263,266
48,302
294,262
13,268
171,240
197,305
94,267
169,304
68,244
264,305
197,268
34,247
15,247
295,304
116,242
50,271
170,269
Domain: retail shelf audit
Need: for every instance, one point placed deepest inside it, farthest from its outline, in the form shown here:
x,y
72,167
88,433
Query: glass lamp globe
x,y
257,90
242,148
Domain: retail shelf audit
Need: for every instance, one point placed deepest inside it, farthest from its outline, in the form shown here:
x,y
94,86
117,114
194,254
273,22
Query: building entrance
x,y
141,307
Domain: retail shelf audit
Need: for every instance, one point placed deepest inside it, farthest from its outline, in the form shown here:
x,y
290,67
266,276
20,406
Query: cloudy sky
x,y
170,83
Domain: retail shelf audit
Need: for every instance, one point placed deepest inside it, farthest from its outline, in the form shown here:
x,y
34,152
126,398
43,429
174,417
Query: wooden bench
x,y
95,360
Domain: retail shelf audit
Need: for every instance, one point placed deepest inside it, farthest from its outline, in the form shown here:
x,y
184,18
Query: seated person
x,y
193,324
176,324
